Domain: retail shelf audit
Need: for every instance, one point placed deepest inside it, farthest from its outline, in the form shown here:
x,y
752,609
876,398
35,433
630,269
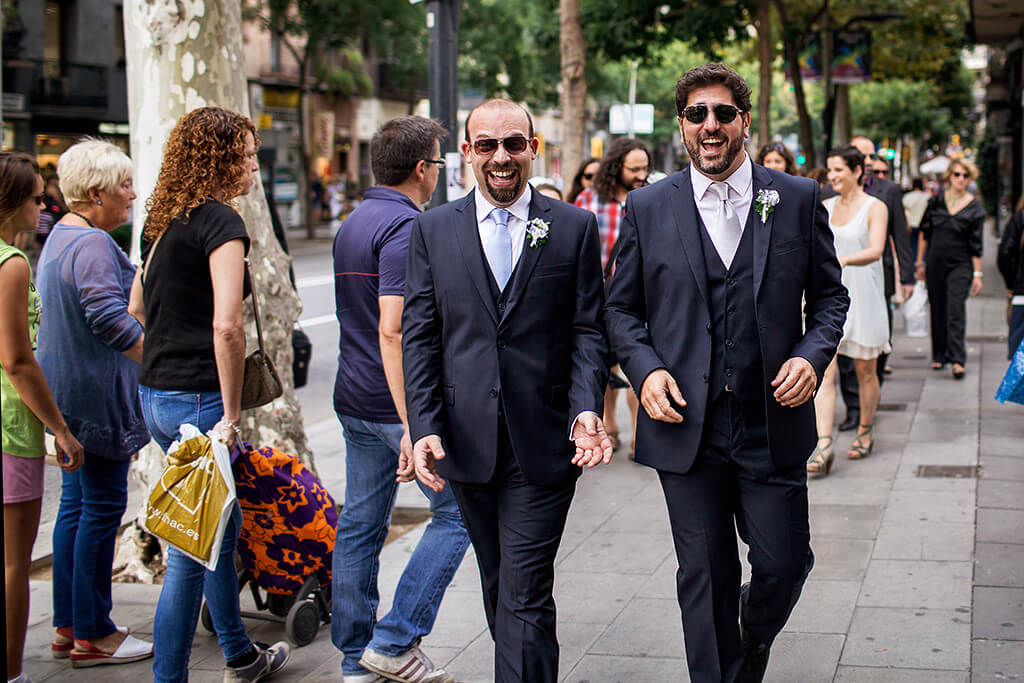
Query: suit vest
x,y
736,363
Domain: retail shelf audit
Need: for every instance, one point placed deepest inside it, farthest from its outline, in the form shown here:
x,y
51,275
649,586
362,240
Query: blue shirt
x,y
84,280
369,262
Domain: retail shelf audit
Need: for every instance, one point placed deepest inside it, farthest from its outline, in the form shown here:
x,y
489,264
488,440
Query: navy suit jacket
x,y
657,314
545,359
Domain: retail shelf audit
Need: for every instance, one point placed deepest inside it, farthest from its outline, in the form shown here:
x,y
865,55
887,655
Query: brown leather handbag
x,y
260,383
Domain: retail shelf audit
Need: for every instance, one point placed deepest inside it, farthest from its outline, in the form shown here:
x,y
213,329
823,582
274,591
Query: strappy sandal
x,y
936,365
820,462
958,372
858,451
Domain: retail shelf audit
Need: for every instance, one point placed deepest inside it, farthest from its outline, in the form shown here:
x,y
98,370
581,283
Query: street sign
x,y
643,119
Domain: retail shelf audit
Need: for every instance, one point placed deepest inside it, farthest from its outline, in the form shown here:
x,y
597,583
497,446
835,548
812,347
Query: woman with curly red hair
x,y
191,288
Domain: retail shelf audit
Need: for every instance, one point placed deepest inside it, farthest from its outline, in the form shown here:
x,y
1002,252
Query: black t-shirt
x,y
178,295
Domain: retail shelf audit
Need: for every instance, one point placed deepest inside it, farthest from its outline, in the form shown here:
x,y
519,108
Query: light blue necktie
x,y
499,248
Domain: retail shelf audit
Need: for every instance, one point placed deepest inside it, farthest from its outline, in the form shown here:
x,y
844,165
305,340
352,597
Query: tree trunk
x,y
764,94
308,215
181,56
574,87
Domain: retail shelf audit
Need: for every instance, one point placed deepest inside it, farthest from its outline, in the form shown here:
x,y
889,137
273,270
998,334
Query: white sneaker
x,y
363,678
412,666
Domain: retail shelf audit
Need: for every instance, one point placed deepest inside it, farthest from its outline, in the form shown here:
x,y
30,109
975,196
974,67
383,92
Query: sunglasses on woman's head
x,y
724,113
514,144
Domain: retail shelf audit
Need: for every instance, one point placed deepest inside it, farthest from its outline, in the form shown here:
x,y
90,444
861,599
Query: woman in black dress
x,y
951,236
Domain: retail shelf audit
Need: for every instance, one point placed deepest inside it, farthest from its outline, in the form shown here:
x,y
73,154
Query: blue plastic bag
x,y
1012,387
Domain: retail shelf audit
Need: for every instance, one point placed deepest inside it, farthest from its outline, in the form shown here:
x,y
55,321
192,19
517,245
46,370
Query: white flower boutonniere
x,y
537,230
765,203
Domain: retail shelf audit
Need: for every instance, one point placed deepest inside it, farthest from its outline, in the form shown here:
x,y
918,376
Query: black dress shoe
x,y
755,659
851,422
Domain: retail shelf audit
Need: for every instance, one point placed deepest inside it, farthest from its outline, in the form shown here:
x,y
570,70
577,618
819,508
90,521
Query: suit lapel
x,y
762,233
467,234
684,209
540,206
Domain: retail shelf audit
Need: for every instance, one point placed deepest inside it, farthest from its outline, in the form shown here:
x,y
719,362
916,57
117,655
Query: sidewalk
x,y
917,578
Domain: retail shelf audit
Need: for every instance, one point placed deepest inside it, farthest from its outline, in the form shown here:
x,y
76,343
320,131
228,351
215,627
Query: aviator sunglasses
x,y
724,113
515,144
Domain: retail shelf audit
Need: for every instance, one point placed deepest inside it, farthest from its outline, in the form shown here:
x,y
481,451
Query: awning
x,y
996,22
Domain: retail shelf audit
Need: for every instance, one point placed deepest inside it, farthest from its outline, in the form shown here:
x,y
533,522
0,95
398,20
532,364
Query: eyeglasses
x,y
880,172
958,174
514,144
440,163
585,176
724,113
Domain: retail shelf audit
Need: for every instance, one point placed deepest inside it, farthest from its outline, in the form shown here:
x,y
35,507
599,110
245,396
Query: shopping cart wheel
x,y
279,604
206,619
303,622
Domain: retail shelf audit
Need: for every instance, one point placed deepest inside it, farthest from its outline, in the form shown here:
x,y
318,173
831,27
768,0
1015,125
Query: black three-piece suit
x,y
738,458
499,376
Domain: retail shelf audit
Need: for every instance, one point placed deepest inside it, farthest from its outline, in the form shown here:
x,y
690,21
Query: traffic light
x,y
801,160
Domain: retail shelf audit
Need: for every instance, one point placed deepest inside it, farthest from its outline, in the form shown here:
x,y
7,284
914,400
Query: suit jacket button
x,y
705,377
707,326
501,345
494,393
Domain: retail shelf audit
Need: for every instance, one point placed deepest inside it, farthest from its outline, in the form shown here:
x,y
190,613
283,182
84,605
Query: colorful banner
x,y
851,61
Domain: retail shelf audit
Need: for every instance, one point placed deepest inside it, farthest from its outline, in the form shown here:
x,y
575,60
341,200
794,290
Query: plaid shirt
x,y
609,213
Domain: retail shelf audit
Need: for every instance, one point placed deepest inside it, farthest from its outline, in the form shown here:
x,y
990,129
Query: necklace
x,y
88,222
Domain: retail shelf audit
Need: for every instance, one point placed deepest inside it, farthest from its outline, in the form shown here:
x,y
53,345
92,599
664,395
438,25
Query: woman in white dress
x,y
858,222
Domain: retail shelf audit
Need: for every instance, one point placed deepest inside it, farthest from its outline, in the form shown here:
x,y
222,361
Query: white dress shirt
x,y
740,194
519,216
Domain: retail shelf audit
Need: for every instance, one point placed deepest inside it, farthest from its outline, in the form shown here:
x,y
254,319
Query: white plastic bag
x,y
192,501
915,311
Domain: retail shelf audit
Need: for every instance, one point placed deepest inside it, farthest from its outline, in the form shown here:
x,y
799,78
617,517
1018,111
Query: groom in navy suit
x,y
505,359
704,313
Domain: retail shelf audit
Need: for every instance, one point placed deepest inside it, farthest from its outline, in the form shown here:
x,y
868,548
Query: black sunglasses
x,y
515,144
958,174
880,172
440,163
724,113
585,176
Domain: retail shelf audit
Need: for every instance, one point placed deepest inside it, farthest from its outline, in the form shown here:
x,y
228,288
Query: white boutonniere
x,y
537,230
765,203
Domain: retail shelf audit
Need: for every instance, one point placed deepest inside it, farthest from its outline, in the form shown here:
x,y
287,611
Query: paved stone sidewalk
x,y
916,578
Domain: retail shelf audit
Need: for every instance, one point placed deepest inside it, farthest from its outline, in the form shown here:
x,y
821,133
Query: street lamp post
x,y
832,95
443,22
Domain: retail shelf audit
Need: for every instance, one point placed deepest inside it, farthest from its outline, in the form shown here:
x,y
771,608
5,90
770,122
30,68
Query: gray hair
x,y
91,164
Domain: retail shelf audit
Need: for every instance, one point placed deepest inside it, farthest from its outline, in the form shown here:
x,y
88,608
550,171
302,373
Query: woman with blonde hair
x,y
89,348
949,261
189,292
26,404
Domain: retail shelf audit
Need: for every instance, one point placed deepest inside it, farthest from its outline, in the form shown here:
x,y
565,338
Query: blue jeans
x,y
187,581
92,502
371,458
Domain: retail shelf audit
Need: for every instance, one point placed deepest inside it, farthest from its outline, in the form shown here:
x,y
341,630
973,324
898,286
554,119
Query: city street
x,y
917,578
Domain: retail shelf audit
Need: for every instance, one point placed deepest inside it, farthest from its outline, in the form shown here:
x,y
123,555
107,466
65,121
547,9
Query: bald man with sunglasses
x,y
505,366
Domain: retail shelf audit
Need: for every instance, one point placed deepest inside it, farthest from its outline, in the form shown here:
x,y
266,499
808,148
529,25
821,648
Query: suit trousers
x,y
734,486
515,527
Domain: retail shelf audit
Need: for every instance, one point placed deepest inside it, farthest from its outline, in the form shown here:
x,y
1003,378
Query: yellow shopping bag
x,y
190,504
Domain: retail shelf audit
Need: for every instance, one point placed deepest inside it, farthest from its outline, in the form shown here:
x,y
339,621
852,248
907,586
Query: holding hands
x,y
593,446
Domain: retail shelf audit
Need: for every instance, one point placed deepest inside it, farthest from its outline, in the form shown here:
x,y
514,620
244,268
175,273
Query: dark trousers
x,y
515,527
733,486
948,287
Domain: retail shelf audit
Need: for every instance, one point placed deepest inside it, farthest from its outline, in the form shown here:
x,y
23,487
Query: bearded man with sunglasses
x,y
505,364
704,314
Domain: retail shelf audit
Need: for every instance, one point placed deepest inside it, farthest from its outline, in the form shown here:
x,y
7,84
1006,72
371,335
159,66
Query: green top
x,y
23,432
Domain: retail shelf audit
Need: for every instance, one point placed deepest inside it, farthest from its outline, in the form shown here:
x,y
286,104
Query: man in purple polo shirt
x,y
369,398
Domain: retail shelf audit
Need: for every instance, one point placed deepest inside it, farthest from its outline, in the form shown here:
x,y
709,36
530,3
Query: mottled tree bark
x,y
574,88
764,93
184,54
